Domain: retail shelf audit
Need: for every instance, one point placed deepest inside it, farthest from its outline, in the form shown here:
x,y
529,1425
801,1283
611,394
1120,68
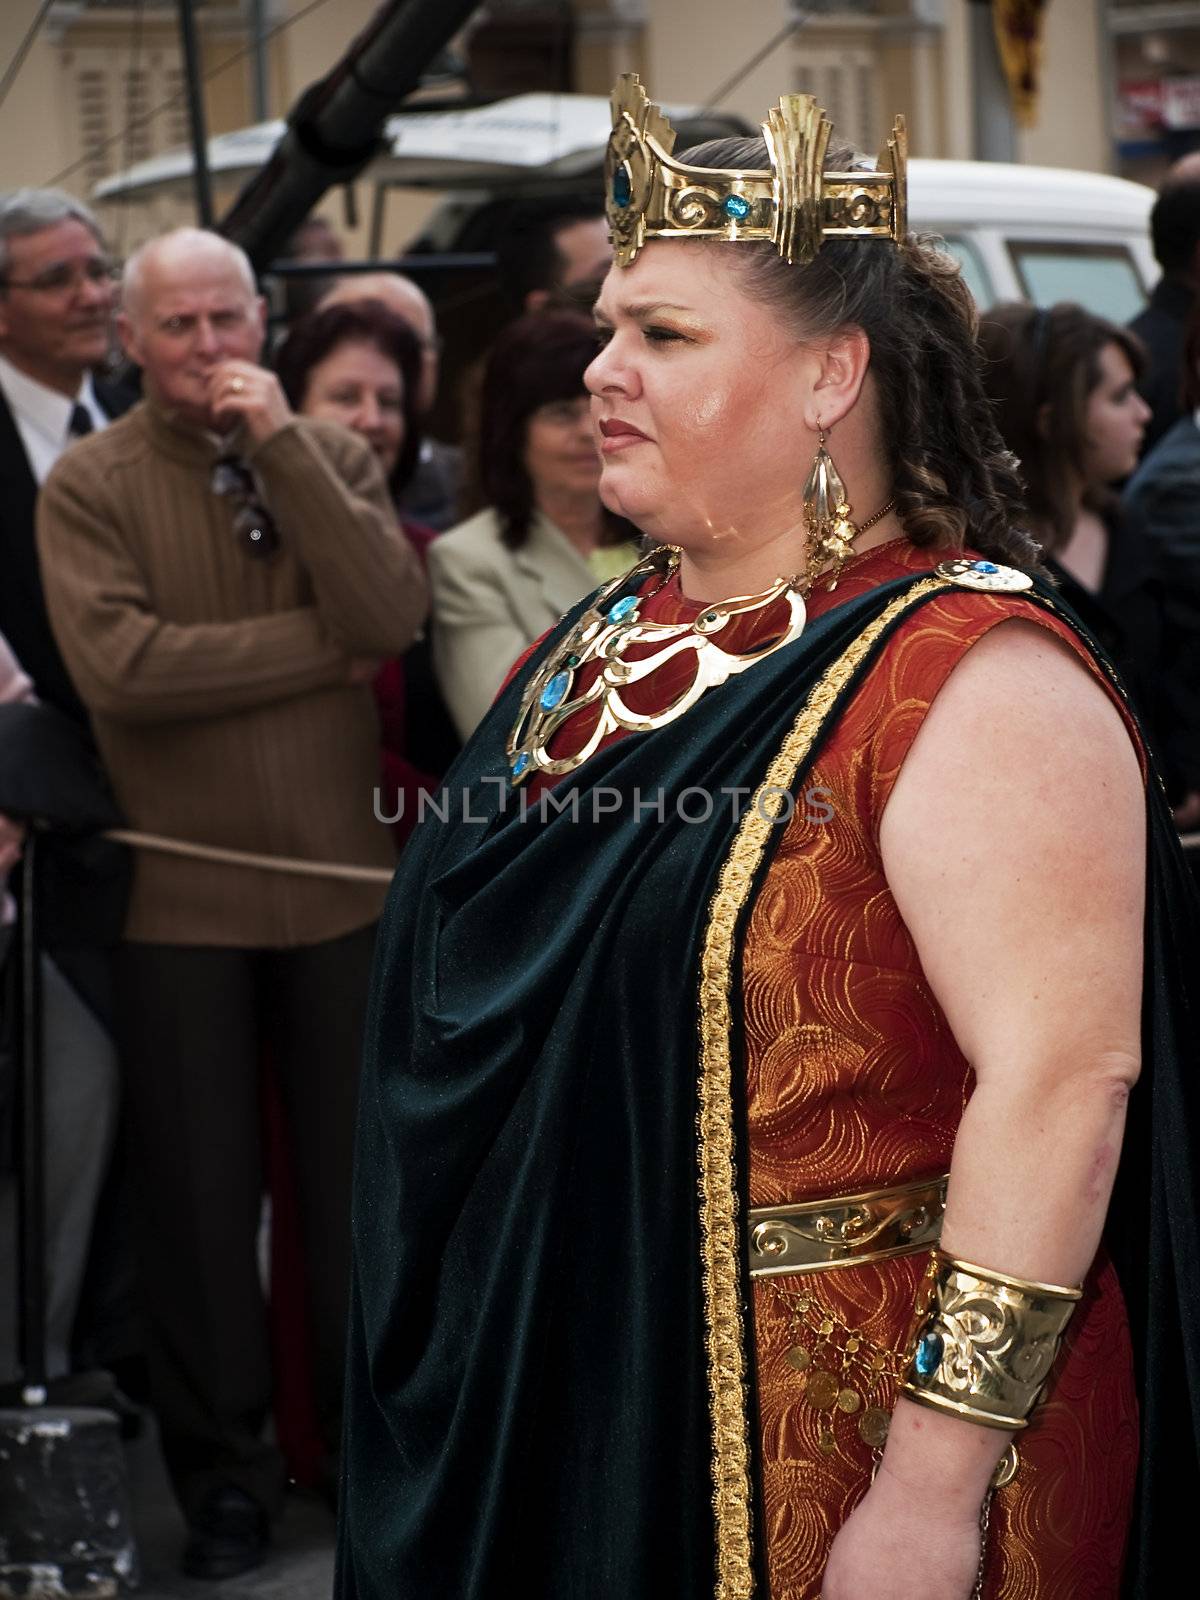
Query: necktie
x,y
81,421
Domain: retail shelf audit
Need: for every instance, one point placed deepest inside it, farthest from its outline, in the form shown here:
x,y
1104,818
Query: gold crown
x,y
795,205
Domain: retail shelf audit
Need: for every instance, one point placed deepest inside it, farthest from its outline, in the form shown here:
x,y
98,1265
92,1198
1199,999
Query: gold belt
x,y
846,1231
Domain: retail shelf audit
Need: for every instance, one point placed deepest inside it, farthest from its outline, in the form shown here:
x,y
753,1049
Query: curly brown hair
x,y
955,483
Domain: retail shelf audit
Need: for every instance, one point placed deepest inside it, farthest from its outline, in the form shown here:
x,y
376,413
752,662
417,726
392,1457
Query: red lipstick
x,y
618,435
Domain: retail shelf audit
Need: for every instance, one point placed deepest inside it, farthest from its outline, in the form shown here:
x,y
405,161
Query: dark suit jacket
x,y
23,619
1163,497
1161,327
1142,617
83,882
1165,493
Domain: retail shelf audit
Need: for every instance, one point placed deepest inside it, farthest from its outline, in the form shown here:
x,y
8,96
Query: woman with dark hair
x,y
1064,386
751,1041
544,538
358,364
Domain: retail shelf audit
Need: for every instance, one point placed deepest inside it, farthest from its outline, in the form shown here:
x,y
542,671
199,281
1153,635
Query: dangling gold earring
x,y
830,532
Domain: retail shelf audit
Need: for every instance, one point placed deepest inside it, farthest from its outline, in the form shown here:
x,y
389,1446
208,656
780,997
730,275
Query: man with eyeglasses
x,y
223,578
57,296
56,309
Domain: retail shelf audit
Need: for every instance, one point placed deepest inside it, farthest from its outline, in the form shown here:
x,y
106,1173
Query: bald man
x,y
433,495
1175,235
222,578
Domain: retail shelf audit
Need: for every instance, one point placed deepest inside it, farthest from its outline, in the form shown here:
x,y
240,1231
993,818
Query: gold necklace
x,y
612,623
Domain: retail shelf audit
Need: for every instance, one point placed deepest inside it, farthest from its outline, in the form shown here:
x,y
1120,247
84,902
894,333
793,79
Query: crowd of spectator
x,y
229,577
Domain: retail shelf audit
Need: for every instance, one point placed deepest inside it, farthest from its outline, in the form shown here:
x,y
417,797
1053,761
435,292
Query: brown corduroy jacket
x,y
222,686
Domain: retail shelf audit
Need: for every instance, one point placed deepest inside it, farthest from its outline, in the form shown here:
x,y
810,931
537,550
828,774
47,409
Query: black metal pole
x,y
32,1191
201,180
257,23
336,127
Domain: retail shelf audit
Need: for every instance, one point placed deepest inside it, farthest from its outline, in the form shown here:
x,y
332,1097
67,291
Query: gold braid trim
x,y
721,1246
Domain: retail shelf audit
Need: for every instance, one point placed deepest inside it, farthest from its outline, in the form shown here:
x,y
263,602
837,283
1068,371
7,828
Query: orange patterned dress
x,y
854,1081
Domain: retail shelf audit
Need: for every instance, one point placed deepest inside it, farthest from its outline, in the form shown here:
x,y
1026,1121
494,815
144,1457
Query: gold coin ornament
x,y
843,1374
822,1391
988,576
873,1427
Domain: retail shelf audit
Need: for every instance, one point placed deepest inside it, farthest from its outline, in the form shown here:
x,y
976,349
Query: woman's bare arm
x,y
1014,844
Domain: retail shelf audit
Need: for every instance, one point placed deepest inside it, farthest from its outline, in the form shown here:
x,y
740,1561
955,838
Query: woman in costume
x,y
751,1044
539,538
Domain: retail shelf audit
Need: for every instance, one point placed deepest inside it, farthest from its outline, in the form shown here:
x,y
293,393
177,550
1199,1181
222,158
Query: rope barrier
x,y
248,858
308,869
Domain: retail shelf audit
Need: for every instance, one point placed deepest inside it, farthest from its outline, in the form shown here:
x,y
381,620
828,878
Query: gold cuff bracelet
x,y
984,1343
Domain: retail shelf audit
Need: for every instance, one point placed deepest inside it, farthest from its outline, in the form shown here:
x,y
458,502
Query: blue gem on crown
x,y
927,1357
737,207
555,691
623,608
985,566
519,765
622,188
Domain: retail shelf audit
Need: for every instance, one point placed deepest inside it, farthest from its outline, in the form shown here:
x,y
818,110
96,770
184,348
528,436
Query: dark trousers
x,y
194,1024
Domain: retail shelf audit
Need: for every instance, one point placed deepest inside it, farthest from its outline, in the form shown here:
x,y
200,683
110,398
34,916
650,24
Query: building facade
x,y
103,87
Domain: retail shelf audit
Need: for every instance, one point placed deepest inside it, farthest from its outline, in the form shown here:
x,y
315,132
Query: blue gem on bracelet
x,y
927,1357
623,608
622,188
519,765
555,691
985,566
737,207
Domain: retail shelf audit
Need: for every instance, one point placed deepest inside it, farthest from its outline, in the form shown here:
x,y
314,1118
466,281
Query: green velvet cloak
x,y
533,1357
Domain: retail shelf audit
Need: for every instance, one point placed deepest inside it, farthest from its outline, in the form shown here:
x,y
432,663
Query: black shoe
x,y
228,1536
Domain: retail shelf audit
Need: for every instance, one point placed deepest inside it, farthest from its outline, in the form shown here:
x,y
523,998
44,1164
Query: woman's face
x,y
698,398
1115,421
560,456
360,387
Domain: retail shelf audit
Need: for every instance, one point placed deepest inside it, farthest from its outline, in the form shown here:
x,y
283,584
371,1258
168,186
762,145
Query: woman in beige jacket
x,y
543,539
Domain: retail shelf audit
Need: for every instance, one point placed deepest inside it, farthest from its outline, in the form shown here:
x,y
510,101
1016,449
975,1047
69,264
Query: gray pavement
x,y
300,1565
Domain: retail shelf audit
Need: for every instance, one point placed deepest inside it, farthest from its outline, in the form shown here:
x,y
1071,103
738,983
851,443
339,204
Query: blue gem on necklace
x,y
927,1357
555,691
519,765
737,207
623,608
622,188
985,566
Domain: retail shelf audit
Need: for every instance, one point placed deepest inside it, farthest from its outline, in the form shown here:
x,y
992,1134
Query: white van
x,y
1036,233
1042,234
1039,233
